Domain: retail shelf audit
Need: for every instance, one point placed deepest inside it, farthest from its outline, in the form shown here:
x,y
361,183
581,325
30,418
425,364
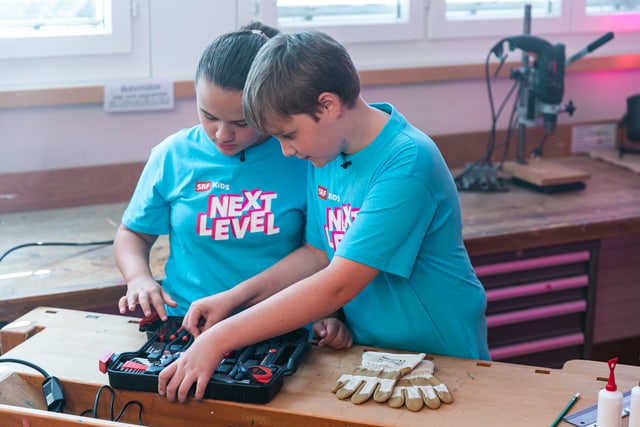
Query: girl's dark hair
x,y
226,61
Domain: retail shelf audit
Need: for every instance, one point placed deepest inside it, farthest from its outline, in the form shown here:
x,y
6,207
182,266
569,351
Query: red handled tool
x,y
259,373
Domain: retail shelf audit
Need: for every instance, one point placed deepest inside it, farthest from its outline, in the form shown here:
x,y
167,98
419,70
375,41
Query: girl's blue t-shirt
x,y
396,208
227,217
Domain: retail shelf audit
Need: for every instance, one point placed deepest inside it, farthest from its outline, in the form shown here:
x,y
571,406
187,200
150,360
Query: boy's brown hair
x,y
290,72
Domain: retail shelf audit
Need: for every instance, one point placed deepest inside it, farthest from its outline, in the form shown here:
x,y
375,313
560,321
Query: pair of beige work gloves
x,y
398,379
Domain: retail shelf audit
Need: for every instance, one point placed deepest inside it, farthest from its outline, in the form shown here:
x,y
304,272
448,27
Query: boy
x,y
383,234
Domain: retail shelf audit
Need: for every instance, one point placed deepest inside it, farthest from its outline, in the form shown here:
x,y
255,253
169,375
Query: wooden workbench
x,y
83,277
69,344
522,218
87,277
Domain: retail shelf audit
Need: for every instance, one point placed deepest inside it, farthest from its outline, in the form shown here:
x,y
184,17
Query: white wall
x,y
45,138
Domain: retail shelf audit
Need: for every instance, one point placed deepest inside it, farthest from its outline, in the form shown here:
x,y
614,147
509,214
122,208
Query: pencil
x,y
565,410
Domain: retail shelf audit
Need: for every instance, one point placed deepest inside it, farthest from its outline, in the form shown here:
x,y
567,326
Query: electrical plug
x,y
53,395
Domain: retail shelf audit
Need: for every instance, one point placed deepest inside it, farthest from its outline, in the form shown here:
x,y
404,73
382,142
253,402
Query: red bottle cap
x,y
611,384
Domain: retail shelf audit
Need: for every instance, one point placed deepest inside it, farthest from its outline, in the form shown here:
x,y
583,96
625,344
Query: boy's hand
x,y
148,294
194,366
332,333
205,312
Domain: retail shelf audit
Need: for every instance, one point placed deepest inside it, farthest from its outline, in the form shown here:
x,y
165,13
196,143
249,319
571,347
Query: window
x,y
133,39
347,21
47,28
601,7
318,12
464,18
474,10
606,15
53,43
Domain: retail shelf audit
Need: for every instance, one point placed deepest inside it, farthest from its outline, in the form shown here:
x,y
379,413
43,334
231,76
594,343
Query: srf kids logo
x,y
322,192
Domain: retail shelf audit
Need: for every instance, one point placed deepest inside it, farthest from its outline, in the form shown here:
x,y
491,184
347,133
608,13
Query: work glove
x,y
419,387
376,376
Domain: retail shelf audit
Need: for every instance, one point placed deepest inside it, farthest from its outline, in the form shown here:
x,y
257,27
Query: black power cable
x,y
51,386
25,245
481,175
94,410
54,396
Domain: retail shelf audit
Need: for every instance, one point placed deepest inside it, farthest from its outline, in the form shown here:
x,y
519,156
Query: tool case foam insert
x,y
252,374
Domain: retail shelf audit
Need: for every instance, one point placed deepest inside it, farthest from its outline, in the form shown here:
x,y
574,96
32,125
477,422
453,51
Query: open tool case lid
x,y
252,374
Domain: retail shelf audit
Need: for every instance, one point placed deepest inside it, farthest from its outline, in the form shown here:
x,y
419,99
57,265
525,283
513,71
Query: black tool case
x,y
252,374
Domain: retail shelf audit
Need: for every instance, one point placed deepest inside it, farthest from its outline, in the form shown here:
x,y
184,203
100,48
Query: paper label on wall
x,y
138,95
585,138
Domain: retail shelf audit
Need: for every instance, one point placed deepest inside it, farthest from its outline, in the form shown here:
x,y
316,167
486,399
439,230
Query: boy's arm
x,y
308,299
299,304
208,311
301,263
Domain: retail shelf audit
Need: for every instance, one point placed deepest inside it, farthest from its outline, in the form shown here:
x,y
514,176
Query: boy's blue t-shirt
x,y
396,208
228,217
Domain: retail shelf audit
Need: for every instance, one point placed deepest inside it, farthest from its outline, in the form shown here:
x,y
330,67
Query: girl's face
x,y
220,113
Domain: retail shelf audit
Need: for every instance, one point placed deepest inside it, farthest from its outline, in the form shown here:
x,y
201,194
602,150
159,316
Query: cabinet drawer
x,y
554,358
553,291
538,288
537,346
537,328
529,264
539,303
537,313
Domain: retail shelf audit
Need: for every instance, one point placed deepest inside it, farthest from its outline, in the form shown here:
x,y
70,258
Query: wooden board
x,y
629,161
17,416
544,172
485,394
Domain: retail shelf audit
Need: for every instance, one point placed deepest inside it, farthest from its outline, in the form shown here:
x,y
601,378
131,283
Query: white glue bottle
x,y
634,407
609,411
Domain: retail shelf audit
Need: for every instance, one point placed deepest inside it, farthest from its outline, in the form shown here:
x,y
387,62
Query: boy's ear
x,y
329,103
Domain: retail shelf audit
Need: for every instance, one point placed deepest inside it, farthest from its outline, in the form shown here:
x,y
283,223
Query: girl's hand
x,y
332,333
147,294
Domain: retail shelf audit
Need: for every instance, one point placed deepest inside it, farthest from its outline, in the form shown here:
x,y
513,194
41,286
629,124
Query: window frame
x,y
116,41
413,29
156,52
440,28
52,72
572,20
622,22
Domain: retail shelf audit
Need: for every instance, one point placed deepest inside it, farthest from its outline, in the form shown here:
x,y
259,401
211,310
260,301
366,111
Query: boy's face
x,y
318,141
